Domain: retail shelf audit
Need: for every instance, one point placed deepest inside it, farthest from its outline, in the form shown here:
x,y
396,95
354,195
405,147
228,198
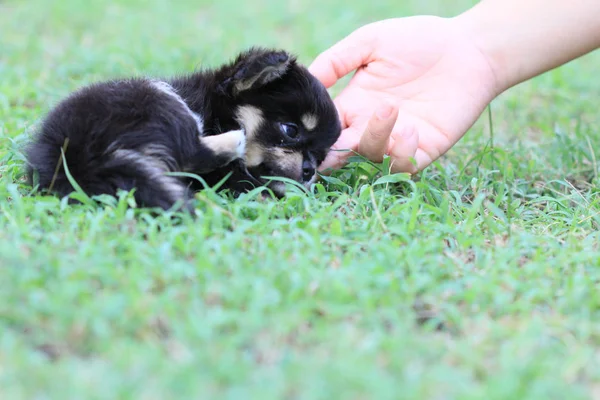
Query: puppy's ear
x,y
256,68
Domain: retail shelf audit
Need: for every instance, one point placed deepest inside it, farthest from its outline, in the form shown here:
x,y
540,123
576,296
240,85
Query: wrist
x,y
473,27
523,39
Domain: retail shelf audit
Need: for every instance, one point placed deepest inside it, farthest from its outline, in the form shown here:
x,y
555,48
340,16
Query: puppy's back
x,y
103,129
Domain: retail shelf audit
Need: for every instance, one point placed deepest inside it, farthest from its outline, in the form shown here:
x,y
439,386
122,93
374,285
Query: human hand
x,y
421,83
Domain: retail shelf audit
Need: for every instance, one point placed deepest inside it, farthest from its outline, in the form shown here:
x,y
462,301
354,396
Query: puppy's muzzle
x,y
308,171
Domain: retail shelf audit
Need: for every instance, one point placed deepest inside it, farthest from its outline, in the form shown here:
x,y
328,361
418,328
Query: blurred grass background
x,y
478,281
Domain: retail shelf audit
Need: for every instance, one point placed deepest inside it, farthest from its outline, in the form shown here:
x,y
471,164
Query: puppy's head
x,y
289,118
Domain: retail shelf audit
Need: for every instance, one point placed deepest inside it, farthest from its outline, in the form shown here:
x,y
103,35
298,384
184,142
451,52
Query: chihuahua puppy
x,y
262,115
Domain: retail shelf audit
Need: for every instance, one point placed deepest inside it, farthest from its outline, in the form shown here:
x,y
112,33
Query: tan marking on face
x,y
289,163
250,118
310,121
255,154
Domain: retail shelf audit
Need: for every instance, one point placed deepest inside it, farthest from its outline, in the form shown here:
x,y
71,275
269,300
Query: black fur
x,y
126,134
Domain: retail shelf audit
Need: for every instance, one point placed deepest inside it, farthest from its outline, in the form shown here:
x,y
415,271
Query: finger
x,y
340,112
374,141
403,150
334,160
344,148
423,159
342,58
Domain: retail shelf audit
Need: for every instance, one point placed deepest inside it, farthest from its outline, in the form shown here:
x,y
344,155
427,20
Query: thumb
x,y
374,141
349,54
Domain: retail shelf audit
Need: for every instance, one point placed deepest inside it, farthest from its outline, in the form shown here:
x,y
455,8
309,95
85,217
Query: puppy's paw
x,y
231,145
240,136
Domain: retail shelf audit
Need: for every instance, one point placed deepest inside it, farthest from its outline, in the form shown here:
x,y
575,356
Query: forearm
x,y
524,38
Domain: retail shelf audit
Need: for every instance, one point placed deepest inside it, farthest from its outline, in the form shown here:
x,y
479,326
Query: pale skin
x,y
421,82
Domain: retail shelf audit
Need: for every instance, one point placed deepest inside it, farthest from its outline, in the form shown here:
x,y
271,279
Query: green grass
x,y
479,280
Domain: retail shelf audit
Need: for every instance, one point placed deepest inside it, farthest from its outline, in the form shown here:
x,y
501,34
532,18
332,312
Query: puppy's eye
x,y
288,129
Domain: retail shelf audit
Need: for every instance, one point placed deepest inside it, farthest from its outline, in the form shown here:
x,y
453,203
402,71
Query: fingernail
x,y
385,112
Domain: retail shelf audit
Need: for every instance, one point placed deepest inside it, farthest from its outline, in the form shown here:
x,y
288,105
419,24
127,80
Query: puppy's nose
x,y
308,171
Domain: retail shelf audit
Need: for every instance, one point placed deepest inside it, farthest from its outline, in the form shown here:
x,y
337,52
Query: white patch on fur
x,y
240,150
155,171
161,154
310,121
232,143
251,118
164,87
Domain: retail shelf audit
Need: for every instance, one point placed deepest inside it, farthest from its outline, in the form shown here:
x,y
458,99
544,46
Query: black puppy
x,y
261,115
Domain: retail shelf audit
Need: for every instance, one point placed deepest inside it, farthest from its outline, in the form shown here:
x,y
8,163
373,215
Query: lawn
x,y
480,279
